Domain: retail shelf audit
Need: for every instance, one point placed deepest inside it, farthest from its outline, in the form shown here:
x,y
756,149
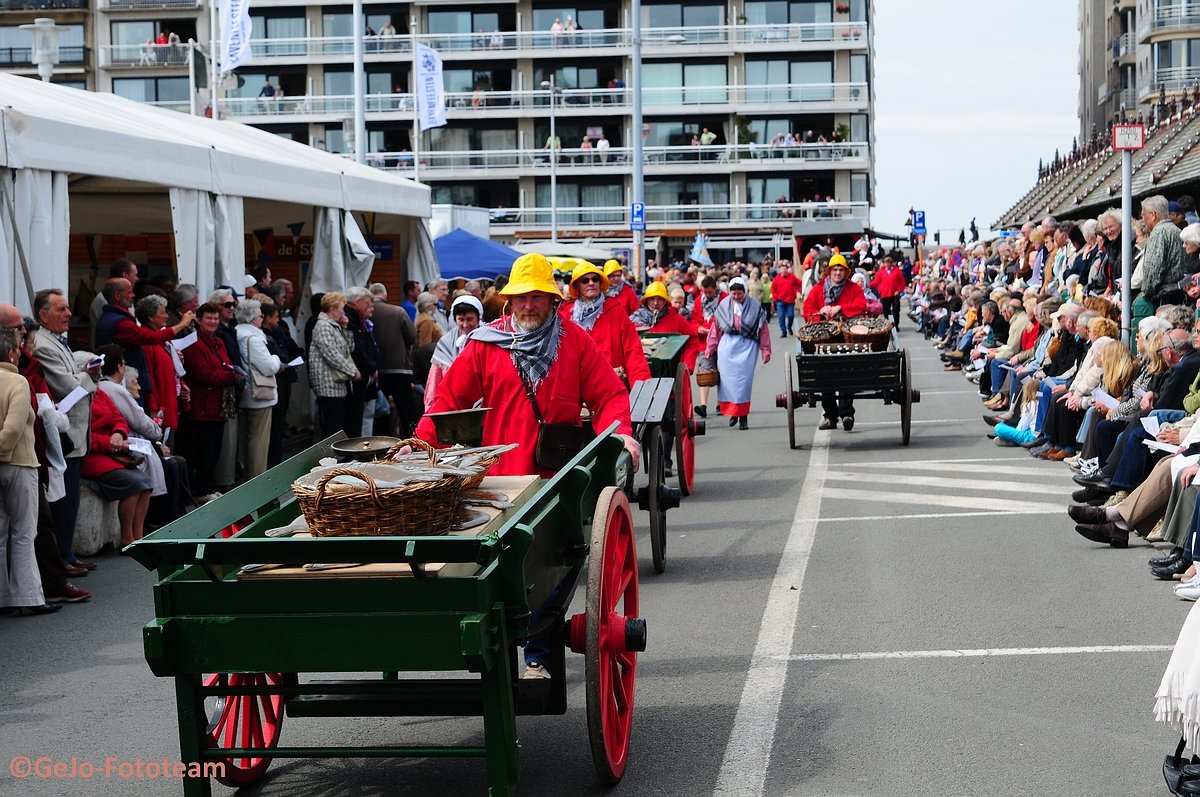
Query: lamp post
x,y
635,90
44,53
553,142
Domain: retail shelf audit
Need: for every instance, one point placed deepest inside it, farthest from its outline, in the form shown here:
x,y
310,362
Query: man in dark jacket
x,y
359,310
396,335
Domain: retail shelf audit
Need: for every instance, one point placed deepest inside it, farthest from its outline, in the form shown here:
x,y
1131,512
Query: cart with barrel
x,y
663,416
870,364
252,597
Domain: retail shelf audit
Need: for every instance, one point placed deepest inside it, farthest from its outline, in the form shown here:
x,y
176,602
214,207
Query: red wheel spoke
x,y
626,659
618,690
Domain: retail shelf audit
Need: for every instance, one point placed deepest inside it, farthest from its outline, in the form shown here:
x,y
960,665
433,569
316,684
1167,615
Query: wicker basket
x,y
811,335
338,510
878,338
469,483
708,378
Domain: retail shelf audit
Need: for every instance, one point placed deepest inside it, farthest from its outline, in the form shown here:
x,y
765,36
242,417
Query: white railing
x,y
1182,15
617,158
1175,78
143,55
1126,45
141,5
783,213
571,100
450,44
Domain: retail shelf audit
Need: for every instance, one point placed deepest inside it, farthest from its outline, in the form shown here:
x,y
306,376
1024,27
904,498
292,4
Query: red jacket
x,y
617,338
1030,336
785,288
206,362
106,419
162,396
627,299
484,371
852,301
674,324
888,282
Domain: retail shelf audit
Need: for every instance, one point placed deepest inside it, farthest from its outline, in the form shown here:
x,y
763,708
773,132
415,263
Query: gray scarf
x,y
585,313
533,352
750,324
644,318
449,346
709,306
613,290
834,292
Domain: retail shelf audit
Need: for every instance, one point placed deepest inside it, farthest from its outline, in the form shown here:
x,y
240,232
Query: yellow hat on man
x,y
611,266
656,290
838,260
531,273
583,269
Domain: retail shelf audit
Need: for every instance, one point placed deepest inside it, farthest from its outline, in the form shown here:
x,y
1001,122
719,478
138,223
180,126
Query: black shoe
x,y
1089,494
701,411
1082,513
1168,572
1086,481
743,423
45,608
992,420
1036,442
1162,561
733,421
848,423
991,436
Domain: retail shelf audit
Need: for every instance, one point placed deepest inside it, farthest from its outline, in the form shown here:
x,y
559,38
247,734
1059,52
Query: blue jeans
x,y
997,373
65,510
1045,396
787,316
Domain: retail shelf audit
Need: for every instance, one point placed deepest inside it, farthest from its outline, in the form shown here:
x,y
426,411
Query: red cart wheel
x,y
250,721
789,401
685,443
614,634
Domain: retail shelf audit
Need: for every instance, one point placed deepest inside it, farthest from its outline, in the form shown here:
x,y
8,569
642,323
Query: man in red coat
x,y
558,360
836,296
607,322
888,284
784,290
620,291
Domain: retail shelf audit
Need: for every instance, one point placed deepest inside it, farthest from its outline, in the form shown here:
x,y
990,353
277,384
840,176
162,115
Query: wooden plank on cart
x,y
649,399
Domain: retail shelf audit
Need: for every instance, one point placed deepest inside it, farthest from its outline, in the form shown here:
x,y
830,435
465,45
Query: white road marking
x,y
1000,505
747,756
1015,468
891,463
980,653
942,483
922,516
972,419
945,392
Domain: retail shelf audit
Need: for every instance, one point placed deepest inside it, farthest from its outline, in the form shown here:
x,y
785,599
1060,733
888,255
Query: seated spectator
x,y
121,386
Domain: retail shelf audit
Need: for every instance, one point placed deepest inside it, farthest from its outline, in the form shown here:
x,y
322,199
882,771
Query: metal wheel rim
x,y
791,403
656,470
685,444
610,672
905,401
251,721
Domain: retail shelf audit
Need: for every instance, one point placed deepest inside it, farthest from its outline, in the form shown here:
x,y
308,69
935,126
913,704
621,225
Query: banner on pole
x,y
235,35
431,93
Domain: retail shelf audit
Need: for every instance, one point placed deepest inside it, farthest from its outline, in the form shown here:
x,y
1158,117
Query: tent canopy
x,y
461,254
595,254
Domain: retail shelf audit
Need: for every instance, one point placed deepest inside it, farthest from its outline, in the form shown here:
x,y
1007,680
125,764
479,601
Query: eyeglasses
x,y
229,304
590,278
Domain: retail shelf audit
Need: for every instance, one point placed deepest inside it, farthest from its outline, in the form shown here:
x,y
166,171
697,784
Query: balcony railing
x,y
143,55
23,56
141,5
464,104
40,5
1173,79
782,213
1167,17
1125,45
823,156
681,39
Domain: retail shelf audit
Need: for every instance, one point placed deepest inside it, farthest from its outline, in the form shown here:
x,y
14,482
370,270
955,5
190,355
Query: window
x,y
815,17
608,198
689,192
342,23
161,89
1168,54
341,84
585,19
683,15
860,188
278,28
767,191
16,45
678,84
859,129
858,69
789,81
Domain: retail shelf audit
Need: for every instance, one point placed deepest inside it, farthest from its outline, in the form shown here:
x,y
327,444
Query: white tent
x,y
592,253
84,162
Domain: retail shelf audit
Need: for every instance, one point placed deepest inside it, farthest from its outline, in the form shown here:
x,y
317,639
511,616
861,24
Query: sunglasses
x,y
589,279
229,304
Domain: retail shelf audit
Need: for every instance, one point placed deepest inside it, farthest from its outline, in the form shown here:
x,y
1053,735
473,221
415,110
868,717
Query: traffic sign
x,y
918,222
1128,137
637,217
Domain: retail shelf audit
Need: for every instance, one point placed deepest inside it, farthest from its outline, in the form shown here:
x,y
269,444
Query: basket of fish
x,y
415,492
818,332
874,332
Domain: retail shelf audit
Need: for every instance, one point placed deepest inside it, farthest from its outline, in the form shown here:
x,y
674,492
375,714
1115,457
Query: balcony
x,y
773,214
511,104
1171,80
614,41
41,5
1124,49
148,5
134,56
510,164
1169,18
18,57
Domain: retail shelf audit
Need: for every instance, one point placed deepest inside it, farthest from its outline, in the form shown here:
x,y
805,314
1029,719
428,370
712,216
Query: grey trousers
x,y
20,582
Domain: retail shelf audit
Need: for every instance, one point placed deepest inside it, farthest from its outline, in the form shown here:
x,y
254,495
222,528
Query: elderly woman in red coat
x,y
210,378
835,296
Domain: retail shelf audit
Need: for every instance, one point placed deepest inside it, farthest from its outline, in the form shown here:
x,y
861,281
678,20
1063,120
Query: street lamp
x,y
554,147
44,53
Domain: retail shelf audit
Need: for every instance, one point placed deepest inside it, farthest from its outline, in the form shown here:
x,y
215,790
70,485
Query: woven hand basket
x,y
819,332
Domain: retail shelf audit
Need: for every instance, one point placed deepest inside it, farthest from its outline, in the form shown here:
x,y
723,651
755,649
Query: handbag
x,y
262,387
557,443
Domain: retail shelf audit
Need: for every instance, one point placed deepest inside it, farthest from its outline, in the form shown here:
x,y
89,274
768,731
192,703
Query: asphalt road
x,y
906,554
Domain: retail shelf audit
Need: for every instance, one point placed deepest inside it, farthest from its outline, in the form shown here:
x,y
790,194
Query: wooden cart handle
x,y
358,474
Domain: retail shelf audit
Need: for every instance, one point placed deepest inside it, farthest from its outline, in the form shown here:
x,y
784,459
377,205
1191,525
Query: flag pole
x,y
360,85
416,135
214,67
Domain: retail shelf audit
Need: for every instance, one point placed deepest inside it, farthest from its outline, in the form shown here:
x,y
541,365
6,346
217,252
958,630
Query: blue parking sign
x,y
918,222
637,216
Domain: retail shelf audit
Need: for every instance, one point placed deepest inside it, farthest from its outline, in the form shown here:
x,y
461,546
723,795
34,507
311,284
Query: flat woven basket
x,y
878,338
819,332
425,509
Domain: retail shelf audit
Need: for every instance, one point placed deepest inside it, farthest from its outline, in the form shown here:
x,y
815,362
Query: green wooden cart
x,y
238,643
662,414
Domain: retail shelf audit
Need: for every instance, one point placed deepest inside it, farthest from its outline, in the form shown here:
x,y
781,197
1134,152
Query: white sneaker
x,y
1188,593
1072,462
535,671
1194,581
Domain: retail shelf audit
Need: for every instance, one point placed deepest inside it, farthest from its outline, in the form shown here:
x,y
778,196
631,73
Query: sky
x,y
968,97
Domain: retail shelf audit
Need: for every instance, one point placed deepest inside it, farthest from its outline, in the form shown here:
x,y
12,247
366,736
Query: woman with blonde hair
x,y
1066,412
331,369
